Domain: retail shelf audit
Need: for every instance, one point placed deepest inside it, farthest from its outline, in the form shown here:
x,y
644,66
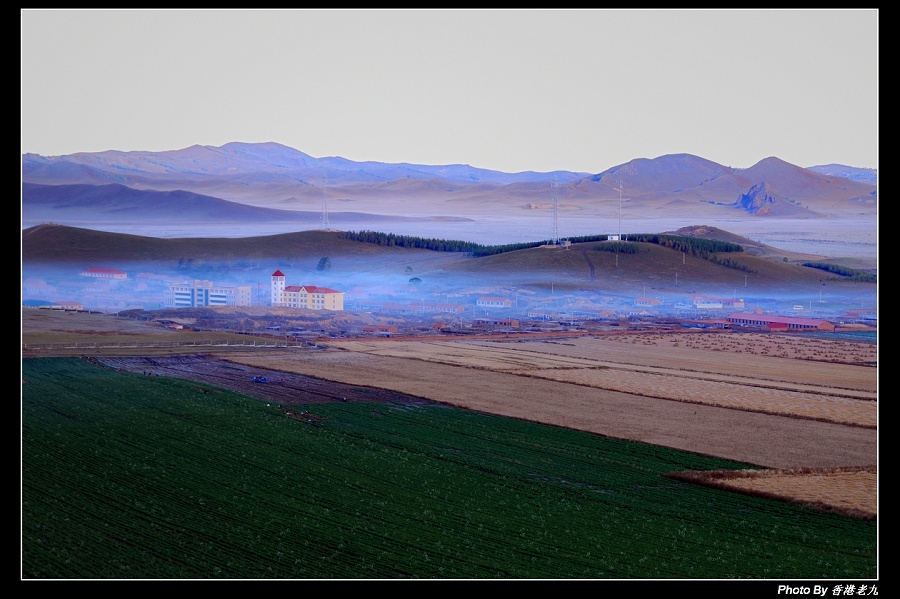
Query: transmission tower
x,y
325,202
619,188
555,211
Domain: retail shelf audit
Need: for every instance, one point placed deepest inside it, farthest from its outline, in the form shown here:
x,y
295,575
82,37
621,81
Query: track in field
x,y
281,387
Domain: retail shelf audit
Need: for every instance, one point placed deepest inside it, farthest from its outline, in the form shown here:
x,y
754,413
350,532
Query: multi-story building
x,y
109,274
308,297
701,301
493,302
204,293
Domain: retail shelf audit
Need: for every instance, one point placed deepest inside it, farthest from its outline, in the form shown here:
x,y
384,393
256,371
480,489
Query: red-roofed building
x,y
647,302
780,323
309,297
495,323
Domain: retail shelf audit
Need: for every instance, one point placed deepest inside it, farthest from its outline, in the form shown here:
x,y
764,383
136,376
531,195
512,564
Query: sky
x,y
508,90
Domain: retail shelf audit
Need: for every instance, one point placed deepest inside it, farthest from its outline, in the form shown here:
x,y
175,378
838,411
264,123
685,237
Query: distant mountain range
x,y
863,175
118,203
252,164
241,182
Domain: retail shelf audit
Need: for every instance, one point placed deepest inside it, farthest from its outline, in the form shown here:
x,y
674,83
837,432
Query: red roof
x,y
310,289
277,273
776,319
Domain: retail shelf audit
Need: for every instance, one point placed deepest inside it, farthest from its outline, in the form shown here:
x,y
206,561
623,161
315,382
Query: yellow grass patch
x,y
851,491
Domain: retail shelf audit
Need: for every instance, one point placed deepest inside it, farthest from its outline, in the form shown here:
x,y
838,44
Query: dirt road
x,y
281,387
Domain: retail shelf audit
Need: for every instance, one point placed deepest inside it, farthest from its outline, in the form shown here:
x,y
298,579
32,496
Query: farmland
x,y
428,458
133,476
768,400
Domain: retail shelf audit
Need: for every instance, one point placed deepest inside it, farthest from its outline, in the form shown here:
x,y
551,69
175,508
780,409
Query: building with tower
x,y
309,297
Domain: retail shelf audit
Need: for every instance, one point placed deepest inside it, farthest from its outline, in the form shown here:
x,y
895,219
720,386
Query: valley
x,y
649,339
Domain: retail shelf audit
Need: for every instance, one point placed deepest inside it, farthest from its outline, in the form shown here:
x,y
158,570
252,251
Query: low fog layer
x,y
452,287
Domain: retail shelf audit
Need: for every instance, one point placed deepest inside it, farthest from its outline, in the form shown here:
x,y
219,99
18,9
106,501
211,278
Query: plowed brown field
x,y
801,407
804,408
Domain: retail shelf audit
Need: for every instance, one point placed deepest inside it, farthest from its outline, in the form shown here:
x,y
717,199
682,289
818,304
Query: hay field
x,y
798,406
762,373
846,490
665,366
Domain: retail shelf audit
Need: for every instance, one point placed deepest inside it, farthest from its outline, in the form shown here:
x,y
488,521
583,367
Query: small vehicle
x,y
259,379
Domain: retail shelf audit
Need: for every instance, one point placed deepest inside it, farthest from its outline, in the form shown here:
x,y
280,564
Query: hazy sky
x,y
508,90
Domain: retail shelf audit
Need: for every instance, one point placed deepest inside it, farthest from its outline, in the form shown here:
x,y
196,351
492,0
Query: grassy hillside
x,y
582,266
587,266
58,243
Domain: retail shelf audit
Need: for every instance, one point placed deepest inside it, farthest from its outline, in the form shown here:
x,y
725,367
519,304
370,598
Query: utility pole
x,y
325,202
620,210
555,211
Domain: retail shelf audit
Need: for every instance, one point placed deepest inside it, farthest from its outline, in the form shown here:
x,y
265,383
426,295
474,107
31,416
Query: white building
x,y
204,293
493,302
107,274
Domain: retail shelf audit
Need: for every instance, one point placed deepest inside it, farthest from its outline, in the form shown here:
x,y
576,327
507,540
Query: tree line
x,y
851,273
410,241
702,248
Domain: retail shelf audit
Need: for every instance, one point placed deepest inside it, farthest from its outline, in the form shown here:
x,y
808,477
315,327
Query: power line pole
x,y
555,211
325,202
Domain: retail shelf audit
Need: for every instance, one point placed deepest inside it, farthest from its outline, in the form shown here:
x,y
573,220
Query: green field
x,y
128,476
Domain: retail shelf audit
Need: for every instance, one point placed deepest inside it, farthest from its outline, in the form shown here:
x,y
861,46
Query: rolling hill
x,y
580,267
117,203
63,244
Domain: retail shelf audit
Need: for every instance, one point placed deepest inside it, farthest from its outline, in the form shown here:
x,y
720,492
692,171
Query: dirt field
x,y
810,417
804,408
765,420
846,490
750,380
283,388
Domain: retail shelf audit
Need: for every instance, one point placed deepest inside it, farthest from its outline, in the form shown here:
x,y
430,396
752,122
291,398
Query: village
x,y
282,309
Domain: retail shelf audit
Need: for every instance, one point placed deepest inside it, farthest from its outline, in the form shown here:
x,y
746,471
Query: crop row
x,y
127,476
